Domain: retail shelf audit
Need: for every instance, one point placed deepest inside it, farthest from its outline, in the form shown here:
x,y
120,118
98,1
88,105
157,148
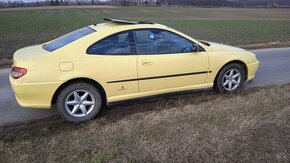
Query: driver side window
x,y
157,41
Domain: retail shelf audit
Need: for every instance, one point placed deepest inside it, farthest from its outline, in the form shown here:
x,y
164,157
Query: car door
x,y
166,60
115,61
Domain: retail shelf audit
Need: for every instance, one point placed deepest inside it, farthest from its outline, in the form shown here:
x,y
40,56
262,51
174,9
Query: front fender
x,y
219,59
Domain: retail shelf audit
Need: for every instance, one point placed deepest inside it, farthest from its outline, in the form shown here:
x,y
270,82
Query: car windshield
x,y
68,38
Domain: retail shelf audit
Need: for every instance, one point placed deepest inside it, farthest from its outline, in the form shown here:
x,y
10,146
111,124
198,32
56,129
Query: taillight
x,y
18,72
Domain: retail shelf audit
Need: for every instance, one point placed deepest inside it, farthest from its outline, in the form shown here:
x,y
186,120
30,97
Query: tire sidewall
x,y
67,90
219,84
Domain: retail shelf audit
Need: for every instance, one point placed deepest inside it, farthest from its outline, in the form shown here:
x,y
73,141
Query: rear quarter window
x,y
68,38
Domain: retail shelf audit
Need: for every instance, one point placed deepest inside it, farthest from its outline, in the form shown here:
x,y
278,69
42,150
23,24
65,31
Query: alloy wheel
x,y
79,103
231,79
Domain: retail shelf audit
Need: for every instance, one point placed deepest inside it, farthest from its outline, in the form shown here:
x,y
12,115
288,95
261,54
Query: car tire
x,y
230,79
79,102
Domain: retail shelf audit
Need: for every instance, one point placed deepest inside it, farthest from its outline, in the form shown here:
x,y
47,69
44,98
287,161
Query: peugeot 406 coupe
x,y
120,60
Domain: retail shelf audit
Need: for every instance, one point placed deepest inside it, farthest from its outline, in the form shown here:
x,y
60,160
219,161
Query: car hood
x,y
30,53
222,47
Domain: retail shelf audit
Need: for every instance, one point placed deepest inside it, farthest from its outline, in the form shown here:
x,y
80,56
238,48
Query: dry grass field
x,y
251,126
240,27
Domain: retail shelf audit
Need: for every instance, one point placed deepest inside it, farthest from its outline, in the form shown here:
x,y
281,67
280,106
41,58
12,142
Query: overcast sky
x,y
19,0
27,0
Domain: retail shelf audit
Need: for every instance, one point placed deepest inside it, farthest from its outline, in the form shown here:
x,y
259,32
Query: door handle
x,y
147,62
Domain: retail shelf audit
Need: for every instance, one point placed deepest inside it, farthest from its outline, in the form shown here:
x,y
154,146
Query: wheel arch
x,y
83,80
230,62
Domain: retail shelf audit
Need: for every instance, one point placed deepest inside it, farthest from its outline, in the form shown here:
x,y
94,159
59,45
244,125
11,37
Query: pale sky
x,y
27,0
20,0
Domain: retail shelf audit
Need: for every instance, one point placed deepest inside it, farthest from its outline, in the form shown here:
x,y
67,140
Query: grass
x,y
103,155
5,62
239,27
250,126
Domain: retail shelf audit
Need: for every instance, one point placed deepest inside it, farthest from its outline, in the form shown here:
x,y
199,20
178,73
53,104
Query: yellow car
x,y
120,60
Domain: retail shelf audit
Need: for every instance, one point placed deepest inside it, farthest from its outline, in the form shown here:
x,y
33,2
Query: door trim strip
x,y
159,77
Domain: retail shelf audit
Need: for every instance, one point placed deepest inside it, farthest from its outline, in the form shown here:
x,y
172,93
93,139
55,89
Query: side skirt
x,y
160,95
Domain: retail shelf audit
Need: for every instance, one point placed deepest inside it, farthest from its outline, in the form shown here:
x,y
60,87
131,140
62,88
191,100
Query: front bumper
x,y
34,95
252,69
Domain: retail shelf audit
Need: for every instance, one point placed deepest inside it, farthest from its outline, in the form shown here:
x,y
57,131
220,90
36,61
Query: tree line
x,y
199,3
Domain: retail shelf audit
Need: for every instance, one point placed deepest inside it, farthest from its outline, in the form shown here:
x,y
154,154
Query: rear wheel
x,y
230,79
79,102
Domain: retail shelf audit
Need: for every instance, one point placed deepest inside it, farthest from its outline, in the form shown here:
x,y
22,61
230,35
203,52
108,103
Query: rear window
x,y
68,38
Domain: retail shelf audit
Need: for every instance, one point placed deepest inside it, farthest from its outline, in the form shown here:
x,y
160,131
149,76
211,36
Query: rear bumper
x,y
34,95
252,69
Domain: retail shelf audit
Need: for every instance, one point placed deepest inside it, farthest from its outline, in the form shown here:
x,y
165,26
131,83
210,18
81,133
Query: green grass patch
x,y
226,25
103,155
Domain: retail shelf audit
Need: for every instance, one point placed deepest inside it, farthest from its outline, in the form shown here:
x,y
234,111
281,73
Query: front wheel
x,y
230,79
79,102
